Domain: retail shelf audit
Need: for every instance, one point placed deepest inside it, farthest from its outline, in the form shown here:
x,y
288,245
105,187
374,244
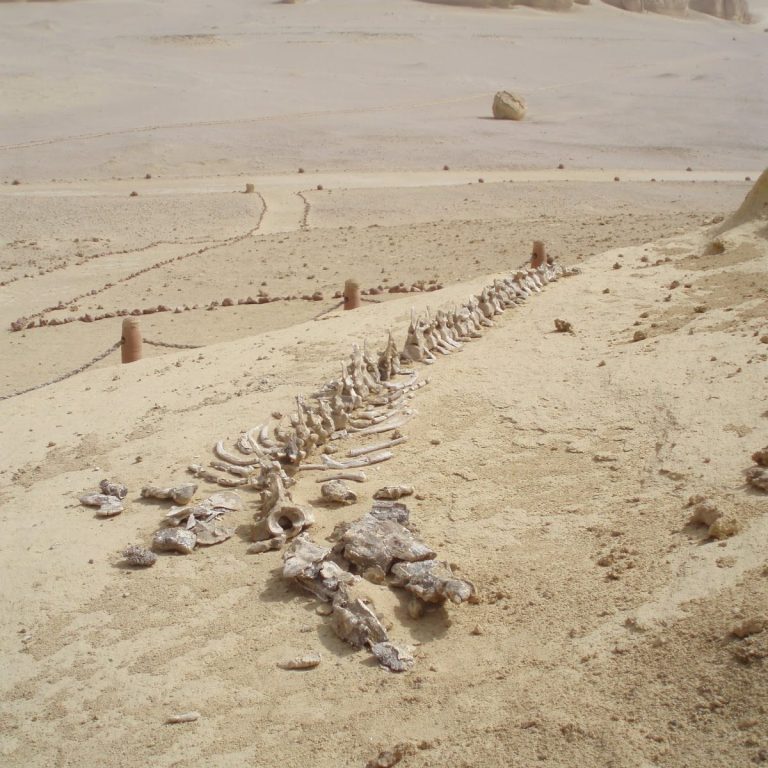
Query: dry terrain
x,y
551,469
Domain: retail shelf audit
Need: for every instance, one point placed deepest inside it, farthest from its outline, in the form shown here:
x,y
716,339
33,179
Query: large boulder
x,y
507,106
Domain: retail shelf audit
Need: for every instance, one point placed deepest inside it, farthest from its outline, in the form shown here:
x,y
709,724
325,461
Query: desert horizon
x,y
547,543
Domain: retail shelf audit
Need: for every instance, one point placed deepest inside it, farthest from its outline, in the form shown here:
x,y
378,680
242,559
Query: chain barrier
x,y
68,375
171,346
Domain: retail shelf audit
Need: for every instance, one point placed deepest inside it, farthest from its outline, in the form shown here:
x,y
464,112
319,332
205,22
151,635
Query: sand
x,y
553,470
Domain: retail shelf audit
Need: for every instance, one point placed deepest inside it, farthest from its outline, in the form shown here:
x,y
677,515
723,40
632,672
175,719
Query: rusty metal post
x,y
351,294
131,346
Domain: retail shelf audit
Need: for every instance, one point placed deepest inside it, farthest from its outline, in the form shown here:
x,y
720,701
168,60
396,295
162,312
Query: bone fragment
x,y
393,492
181,494
211,532
174,540
110,488
184,717
357,624
108,506
363,461
377,447
337,492
393,657
268,545
372,541
356,477
432,581
386,426
233,469
307,661
231,458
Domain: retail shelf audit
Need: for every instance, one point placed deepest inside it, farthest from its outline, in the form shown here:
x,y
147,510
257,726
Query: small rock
x,y
307,661
138,556
639,336
184,717
749,627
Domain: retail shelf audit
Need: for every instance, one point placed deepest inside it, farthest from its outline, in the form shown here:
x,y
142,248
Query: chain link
x,y
68,375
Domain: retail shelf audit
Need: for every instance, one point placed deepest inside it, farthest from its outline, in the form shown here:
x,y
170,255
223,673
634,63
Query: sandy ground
x,y
553,469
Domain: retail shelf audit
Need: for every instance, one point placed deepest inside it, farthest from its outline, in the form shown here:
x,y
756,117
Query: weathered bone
x,y
180,494
337,492
386,426
108,506
357,477
393,492
363,461
377,447
230,458
110,488
432,581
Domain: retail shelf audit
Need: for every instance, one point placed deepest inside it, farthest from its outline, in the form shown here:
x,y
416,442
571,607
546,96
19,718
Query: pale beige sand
x,y
564,662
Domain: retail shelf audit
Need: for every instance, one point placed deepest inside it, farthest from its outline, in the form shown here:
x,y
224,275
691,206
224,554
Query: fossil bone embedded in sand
x,y
108,506
180,494
371,541
174,540
393,492
508,106
305,661
356,623
110,488
139,557
338,493
394,657
432,581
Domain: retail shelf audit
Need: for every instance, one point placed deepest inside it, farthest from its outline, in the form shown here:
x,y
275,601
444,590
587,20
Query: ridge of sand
x,y
574,661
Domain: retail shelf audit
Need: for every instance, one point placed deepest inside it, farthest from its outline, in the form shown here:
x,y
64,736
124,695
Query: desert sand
x,y
553,470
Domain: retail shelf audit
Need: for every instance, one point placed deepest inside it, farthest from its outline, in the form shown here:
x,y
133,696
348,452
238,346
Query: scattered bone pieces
x,y
356,623
377,447
268,545
139,557
110,488
432,581
180,494
337,492
758,477
355,477
563,326
212,507
371,541
174,540
307,661
108,506
184,717
761,457
391,656
393,492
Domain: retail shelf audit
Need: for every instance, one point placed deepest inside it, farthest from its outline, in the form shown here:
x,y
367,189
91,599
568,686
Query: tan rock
x,y
508,106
